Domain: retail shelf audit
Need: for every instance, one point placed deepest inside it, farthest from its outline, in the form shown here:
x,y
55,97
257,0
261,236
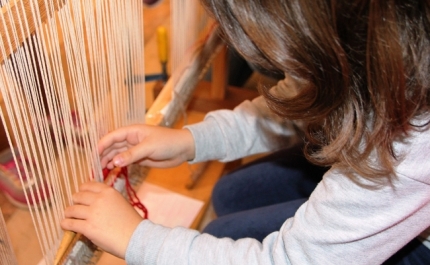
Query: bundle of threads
x,y
119,179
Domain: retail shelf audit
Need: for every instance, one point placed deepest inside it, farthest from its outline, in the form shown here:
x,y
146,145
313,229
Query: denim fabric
x,y
414,253
262,195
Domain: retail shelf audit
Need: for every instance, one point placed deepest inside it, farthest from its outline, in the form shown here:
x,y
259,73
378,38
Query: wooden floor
x,y
18,220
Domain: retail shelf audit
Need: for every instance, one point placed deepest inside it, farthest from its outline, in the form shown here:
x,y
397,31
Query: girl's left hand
x,y
104,216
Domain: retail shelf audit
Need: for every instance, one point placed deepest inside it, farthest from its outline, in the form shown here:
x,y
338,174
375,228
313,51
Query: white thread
x,y
83,58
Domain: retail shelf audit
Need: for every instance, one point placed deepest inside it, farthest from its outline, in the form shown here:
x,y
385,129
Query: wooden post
x,y
219,75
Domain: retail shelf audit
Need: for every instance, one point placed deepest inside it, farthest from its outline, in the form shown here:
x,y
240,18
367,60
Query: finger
x,y
106,158
109,165
132,155
116,146
76,225
84,197
118,135
128,134
160,164
107,154
93,186
77,212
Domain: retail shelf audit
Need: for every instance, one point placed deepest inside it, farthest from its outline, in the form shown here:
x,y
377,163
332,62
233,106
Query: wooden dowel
x,y
70,237
167,106
65,243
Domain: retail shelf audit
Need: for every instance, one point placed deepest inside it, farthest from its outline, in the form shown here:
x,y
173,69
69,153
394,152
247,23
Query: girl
x,y
356,89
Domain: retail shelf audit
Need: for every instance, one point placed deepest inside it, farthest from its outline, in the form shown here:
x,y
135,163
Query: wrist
x,y
129,234
190,150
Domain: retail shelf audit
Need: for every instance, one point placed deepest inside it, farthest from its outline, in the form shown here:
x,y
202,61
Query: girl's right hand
x,y
147,145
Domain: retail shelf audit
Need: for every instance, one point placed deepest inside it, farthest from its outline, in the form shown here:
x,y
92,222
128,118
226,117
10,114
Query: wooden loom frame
x,y
208,50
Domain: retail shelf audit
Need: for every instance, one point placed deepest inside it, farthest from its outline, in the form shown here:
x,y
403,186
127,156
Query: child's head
x,y
362,68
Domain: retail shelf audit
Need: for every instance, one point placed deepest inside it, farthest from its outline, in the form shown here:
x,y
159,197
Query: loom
x,y
71,72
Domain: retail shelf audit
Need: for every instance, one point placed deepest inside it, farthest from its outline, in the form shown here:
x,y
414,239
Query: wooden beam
x,y
219,77
176,94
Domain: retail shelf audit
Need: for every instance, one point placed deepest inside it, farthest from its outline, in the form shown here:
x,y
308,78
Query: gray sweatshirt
x,y
341,223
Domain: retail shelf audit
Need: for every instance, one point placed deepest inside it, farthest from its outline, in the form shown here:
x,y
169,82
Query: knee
x,y
224,227
214,228
222,195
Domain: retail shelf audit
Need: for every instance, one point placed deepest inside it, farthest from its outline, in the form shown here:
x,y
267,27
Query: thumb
x,y
131,155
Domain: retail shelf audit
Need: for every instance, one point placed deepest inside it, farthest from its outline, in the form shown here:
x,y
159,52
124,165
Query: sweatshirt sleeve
x,y
343,222
250,128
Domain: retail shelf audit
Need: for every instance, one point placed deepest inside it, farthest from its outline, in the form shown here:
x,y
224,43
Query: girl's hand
x,y
102,215
147,145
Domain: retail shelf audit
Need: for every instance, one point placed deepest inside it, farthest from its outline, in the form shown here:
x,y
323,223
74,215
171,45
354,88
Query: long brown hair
x,y
362,67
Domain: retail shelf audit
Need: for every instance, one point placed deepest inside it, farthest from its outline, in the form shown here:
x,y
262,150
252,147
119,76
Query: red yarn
x,y
132,196
131,193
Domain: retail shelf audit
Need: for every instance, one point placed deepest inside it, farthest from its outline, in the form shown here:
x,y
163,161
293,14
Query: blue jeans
x,y
273,186
256,199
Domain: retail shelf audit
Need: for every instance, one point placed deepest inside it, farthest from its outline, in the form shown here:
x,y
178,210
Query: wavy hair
x,y
362,67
